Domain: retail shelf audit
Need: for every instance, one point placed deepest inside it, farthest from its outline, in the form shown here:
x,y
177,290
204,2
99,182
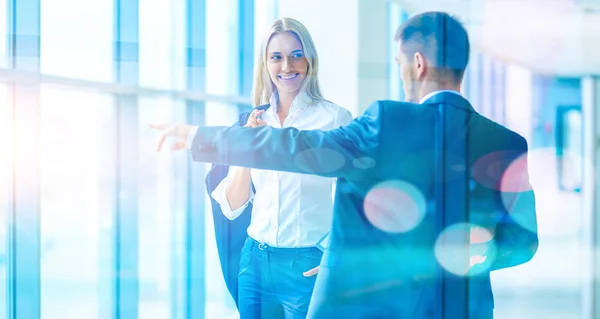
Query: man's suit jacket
x,y
229,234
368,272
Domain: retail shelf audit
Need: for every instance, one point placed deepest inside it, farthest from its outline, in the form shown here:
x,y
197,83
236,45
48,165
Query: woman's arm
x,y
235,191
238,190
233,208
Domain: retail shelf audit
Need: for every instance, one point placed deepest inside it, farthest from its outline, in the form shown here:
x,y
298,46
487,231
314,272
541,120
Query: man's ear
x,y
420,65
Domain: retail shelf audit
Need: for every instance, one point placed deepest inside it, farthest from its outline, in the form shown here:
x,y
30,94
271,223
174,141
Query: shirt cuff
x,y
220,195
190,137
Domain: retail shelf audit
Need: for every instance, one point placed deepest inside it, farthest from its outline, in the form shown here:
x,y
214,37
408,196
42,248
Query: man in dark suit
x,y
383,258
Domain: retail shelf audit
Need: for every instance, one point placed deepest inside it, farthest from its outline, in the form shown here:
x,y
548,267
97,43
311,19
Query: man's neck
x,y
434,87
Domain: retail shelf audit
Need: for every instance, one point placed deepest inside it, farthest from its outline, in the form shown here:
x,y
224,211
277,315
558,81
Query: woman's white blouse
x,y
290,210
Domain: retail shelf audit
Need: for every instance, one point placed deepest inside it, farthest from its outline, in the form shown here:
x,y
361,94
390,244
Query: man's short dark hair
x,y
441,38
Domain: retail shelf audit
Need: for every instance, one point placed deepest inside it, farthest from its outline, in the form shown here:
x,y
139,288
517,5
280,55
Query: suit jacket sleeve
x,y
516,232
327,153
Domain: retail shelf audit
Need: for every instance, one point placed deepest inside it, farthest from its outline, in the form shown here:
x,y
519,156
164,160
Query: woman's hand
x,y
254,119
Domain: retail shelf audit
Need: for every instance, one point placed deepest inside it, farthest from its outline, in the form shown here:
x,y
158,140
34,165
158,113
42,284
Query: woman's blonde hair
x,y
262,86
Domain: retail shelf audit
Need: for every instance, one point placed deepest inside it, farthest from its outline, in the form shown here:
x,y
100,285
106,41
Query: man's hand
x,y
311,272
178,131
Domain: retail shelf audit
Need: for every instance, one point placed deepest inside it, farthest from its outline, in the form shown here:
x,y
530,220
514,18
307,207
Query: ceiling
x,y
559,37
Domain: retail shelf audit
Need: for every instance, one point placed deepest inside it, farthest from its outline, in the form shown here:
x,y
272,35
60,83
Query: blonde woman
x,y
285,214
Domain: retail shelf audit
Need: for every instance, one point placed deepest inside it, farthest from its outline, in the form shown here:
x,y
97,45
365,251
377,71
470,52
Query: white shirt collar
x,y
302,98
430,95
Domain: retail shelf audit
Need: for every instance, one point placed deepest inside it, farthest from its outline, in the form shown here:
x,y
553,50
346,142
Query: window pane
x,y
162,43
519,100
219,303
77,38
394,82
222,74
161,216
572,158
264,15
4,42
5,193
77,203
223,77
222,47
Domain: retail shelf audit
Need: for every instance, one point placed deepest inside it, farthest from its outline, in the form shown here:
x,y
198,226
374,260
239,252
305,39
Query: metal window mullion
x,y
591,196
246,48
126,214
24,265
195,225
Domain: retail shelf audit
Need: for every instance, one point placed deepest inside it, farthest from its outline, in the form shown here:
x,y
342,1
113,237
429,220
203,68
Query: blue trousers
x,y
271,281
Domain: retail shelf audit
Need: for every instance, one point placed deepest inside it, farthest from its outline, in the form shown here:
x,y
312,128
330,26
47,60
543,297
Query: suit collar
x,y
448,97
263,107
427,96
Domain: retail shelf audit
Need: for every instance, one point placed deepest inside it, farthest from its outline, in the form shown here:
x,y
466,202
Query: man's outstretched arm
x,y
335,153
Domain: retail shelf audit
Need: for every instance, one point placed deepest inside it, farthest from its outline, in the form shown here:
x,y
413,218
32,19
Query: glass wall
x,y
77,39
81,126
395,17
76,193
161,235
76,203
161,216
5,169
3,30
223,65
162,46
5,193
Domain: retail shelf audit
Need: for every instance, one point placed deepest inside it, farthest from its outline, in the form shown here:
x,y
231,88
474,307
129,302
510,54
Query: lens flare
x,y
465,249
364,163
395,206
558,212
